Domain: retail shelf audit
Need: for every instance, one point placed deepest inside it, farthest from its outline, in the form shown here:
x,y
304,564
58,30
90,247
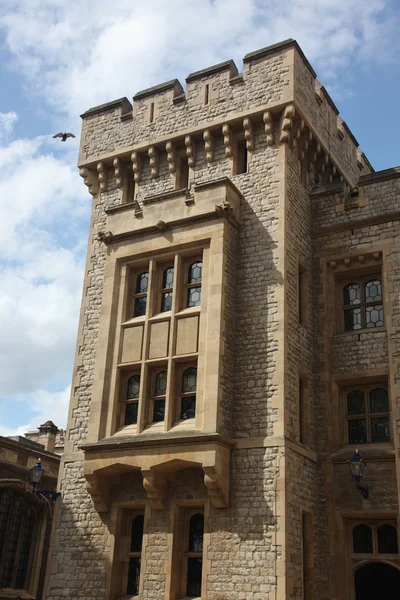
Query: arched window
x,y
362,539
362,304
195,275
167,289
140,297
194,555
188,393
387,539
135,555
159,395
132,400
368,415
18,530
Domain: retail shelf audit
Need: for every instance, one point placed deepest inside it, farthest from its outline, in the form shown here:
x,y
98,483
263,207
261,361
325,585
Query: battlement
x,y
277,88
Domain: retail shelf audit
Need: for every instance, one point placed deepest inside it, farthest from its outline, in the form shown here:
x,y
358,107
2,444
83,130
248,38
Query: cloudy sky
x,y
59,58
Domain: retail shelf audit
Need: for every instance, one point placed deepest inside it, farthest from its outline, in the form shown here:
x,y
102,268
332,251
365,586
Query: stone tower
x,y
224,344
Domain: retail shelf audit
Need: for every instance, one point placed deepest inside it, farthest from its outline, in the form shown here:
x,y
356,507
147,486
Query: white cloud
x,y
7,121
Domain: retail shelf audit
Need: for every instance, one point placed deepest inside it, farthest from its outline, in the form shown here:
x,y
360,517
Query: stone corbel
x,y
298,129
155,487
136,166
102,176
218,486
118,172
269,128
304,144
90,180
224,209
208,145
190,151
170,148
248,134
154,161
286,124
99,495
227,140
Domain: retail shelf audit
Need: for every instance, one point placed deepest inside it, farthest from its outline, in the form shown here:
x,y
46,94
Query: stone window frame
x,y
152,397
133,514
187,286
134,295
360,279
125,377
238,144
178,379
160,285
373,524
367,387
183,173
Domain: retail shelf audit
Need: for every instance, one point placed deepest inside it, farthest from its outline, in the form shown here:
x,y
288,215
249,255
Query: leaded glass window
x,y
195,275
188,394
140,298
159,395
362,304
362,539
135,555
375,538
194,555
167,289
132,400
387,539
367,411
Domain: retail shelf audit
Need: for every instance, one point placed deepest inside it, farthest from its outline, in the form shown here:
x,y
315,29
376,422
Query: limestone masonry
x,y
239,339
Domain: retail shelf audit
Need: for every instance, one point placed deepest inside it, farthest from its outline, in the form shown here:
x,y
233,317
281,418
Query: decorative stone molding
x,y
269,127
248,134
170,148
118,172
227,140
218,487
102,176
296,133
105,237
154,161
224,209
155,486
286,125
90,180
190,151
304,144
208,145
136,166
161,225
346,263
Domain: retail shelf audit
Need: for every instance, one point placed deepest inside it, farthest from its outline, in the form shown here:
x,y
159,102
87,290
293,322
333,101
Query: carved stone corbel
x,y
118,172
99,496
224,209
155,488
90,179
105,237
269,127
102,176
298,129
218,487
248,134
170,148
287,121
190,151
208,145
227,140
154,161
161,225
304,144
136,166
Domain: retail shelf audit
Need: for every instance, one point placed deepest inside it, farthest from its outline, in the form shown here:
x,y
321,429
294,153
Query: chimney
x,y
47,436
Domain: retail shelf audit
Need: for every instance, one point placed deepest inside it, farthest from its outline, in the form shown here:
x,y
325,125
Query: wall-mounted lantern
x,y
357,468
36,476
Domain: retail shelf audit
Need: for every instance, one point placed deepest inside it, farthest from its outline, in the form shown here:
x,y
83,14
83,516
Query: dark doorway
x,y
377,581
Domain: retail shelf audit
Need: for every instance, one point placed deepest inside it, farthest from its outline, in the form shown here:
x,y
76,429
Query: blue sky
x,y
57,59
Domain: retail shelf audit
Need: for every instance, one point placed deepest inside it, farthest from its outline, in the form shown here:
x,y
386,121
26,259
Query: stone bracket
x,y
208,145
99,494
190,151
102,176
170,148
218,486
90,179
155,486
118,172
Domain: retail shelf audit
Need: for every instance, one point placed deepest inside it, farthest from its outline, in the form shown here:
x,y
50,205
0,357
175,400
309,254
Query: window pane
x,y
194,296
387,539
131,413
140,307
196,531
379,401
374,316
356,403
194,577
142,283
188,407
26,548
195,272
352,319
351,294
362,539
137,533
161,384
158,411
5,506
189,380
166,301
11,544
133,387
168,278
373,291
133,576
380,431
357,431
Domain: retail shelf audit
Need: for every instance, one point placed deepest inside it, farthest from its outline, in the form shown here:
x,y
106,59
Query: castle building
x,y
239,340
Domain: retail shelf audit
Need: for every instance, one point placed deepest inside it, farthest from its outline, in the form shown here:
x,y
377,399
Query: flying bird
x,y
63,136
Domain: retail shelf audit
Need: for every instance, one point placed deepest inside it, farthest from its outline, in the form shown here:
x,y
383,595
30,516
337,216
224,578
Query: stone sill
x,y
340,334
383,451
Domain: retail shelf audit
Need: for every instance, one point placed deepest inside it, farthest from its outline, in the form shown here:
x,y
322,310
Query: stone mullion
x,y
144,393
170,408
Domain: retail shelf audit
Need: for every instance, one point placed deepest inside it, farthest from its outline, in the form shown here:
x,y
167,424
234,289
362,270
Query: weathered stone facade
x,y
263,460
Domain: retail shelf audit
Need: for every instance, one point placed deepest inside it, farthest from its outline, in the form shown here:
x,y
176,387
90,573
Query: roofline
x,y
161,87
223,66
126,107
289,43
